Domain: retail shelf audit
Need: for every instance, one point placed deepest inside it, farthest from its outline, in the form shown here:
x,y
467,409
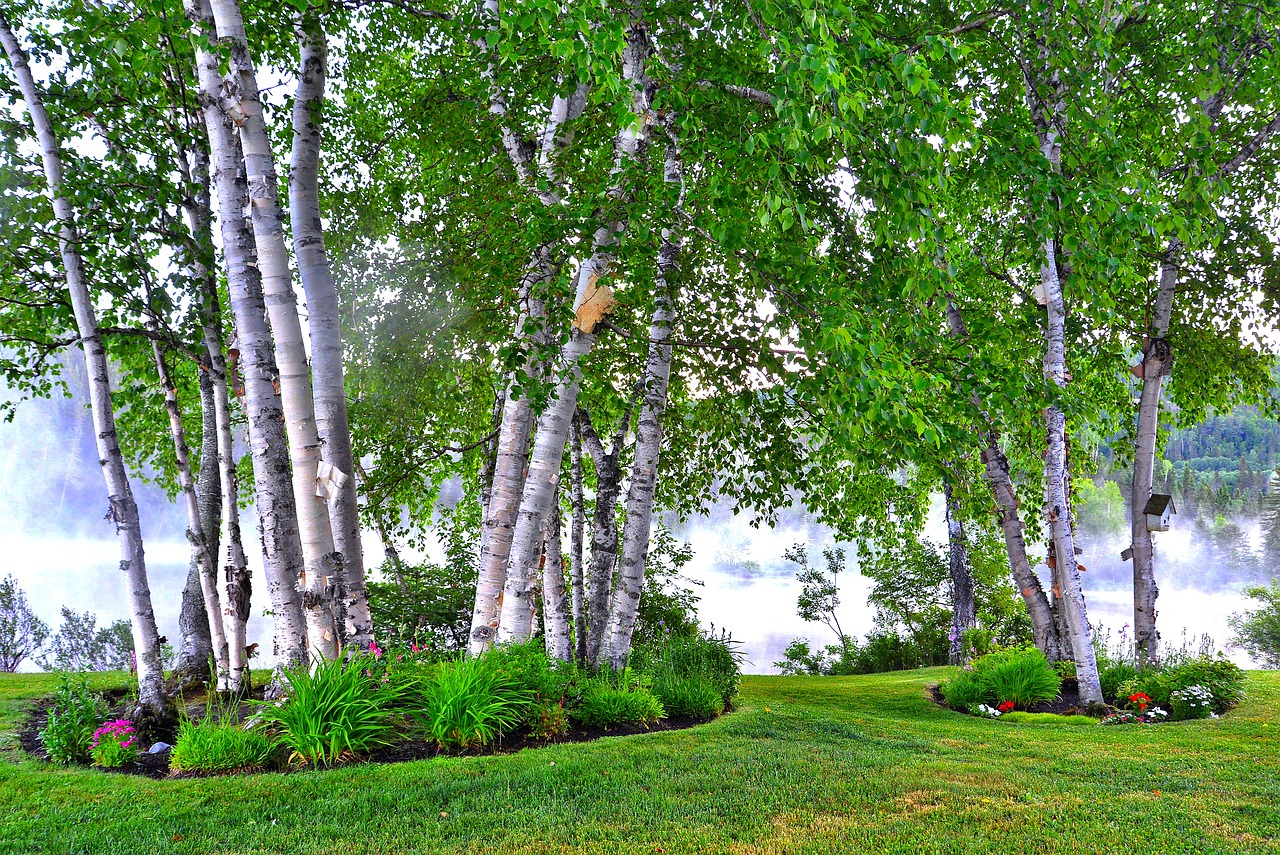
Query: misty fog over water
x,y
55,540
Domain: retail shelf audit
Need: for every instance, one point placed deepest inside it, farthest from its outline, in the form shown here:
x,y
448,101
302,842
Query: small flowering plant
x,y
988,712
1006,706
1140,701
1148,715
1193,702
114,744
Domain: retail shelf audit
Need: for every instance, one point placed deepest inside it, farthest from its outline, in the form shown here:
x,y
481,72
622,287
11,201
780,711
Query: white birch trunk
x,y
1044,627
322,563
1157,358
217,448
644,470
195,525
963,612
268,444
193,667
551,434
604,532
123,510
1057,493
326,329
510,462
577,529
555,596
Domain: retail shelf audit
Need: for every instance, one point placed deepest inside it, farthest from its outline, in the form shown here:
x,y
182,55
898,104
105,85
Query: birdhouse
x,y
1158,510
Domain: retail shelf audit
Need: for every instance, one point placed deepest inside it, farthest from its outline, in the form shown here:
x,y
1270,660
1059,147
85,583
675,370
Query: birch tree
x,y
123,509
238,96
276,507
339,486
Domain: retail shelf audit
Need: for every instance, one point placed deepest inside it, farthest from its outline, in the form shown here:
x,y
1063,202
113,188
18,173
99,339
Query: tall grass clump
x,y
335,712
603,704
685,671
215,745
1021,677
468,703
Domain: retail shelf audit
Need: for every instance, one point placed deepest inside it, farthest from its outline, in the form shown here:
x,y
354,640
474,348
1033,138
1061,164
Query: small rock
x,y
159,748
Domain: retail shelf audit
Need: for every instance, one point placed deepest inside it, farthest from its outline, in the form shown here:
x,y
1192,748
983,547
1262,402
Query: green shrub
x,y
221,746
75,714
688,697
1169,687
964,691
528,667
469,702
547,721
708,657
334,712
1021,676
604,705
1220,676
1112,675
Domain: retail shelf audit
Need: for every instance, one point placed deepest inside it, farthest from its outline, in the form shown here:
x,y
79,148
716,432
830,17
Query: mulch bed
x,y
404,751
1067,702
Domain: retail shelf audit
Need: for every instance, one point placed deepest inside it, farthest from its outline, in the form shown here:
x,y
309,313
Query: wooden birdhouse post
x,y
1158,510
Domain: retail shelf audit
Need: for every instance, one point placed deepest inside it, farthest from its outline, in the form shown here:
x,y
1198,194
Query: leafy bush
x,y
428,606
688,697
74,716
468,702
1191,703
334,712
1022,677
547,721
1223,679
215,745
1258,630
528,667
1113,675
708,657
114,744
604,705
1167,687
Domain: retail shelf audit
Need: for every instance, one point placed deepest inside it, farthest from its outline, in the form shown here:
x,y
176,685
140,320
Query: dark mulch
x,y
1067,702
157,765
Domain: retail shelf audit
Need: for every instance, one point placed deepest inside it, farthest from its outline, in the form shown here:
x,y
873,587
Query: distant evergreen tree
x,y
1271,524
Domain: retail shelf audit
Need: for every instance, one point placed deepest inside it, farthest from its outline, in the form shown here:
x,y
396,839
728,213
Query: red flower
x,y
1005,706
1142,699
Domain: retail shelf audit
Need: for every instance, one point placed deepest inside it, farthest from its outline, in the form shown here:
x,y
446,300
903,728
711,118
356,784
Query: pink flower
x,y
414,647
375,649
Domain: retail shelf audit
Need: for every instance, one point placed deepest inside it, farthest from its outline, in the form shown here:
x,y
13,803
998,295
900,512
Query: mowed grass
x,y
806,764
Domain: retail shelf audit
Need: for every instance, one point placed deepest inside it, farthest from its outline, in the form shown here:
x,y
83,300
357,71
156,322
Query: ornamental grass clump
x,y
68,733
218,746
114,744
1006,680
335,712
467,703
604,705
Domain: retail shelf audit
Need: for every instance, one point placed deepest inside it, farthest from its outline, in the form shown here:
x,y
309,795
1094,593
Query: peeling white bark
x,y
642,488
268,443
326,330
322,563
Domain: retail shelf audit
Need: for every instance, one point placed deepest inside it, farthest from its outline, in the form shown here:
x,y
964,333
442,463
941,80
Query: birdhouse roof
x,y
1157,503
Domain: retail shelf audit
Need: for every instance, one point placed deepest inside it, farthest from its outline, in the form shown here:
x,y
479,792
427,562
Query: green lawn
x,y
807,764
